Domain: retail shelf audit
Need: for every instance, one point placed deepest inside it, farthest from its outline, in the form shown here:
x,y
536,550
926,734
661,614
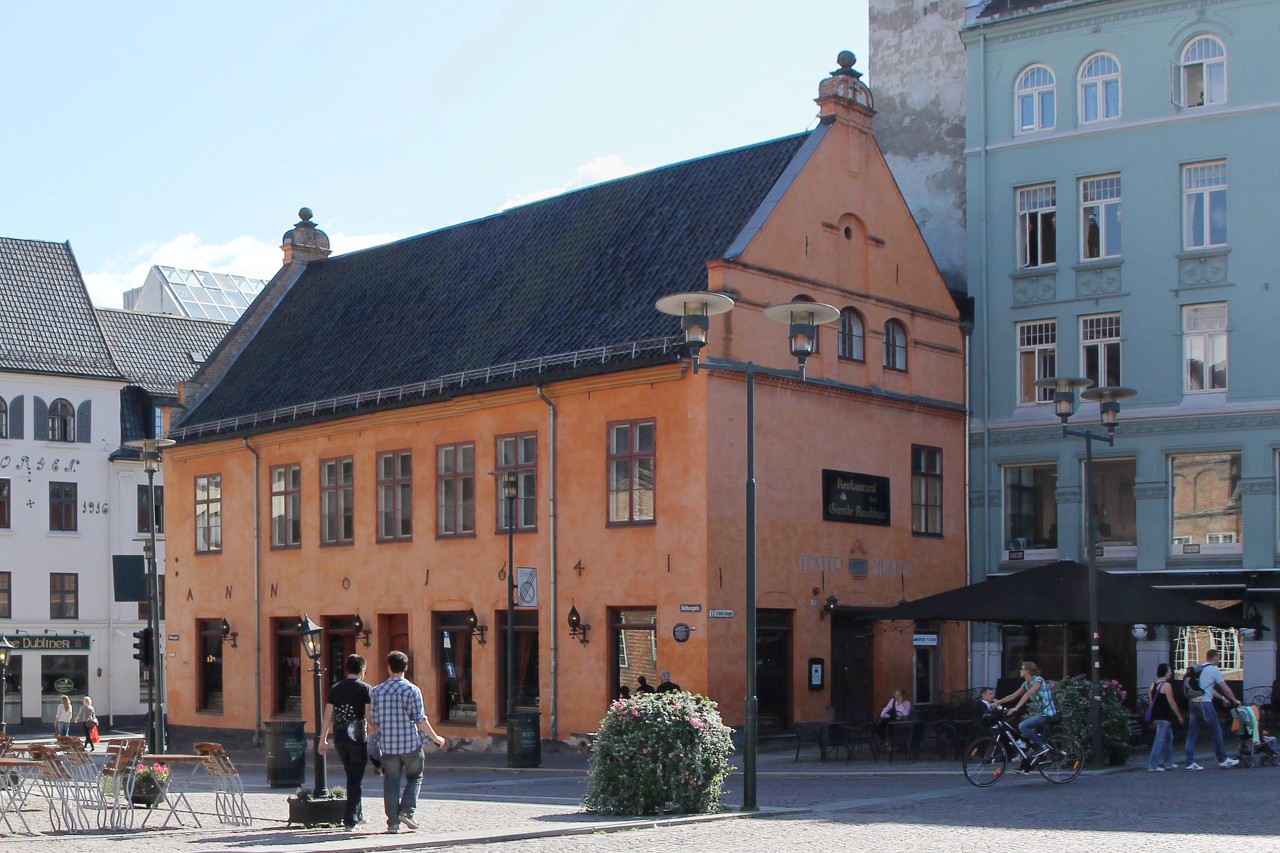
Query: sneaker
x,y
393,828
349,827
1230,762
1155,769
1194,766
407,820
1172,766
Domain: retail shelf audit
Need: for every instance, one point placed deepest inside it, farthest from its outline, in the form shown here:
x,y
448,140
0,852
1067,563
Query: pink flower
x,y
645,751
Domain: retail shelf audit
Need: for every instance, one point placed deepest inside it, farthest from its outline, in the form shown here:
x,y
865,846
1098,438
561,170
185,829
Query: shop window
x,y
1193,644
1030,512
1115,507
453,651
62,675
287,695
527,698
1205,500
210,669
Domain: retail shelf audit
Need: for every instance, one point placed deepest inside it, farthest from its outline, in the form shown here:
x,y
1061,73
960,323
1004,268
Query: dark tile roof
x,y
156,351
1008,8
46,318
562,275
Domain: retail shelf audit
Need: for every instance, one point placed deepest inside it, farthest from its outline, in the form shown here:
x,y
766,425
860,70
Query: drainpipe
x,y
551,503
967,329
257,609
985,539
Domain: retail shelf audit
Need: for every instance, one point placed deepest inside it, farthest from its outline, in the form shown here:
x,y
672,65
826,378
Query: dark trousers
x,y
354,757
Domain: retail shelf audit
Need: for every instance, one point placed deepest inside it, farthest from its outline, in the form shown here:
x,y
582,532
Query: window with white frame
x,y
395,495
337,501
1193,644
1030,511
632,466
851,337
1100,349
1037,359
1203,73
1099,88
62,421
1100,217
1037,226
456,489
1035,96
1205,503
1115,506
1204,347
208,513
926,490
1204,205
518,454
286,506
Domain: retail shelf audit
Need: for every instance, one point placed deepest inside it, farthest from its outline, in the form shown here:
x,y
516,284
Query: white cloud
x,y
593,171
247,256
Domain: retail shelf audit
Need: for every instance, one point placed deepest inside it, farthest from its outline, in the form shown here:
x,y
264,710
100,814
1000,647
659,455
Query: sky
x,y
189,134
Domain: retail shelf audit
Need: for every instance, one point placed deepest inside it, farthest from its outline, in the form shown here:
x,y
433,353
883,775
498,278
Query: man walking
x,y
347,713
1201,710
402,725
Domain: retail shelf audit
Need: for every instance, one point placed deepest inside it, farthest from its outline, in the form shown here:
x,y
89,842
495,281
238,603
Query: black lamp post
x,y
310,634
150,450
1064,406
802,320
510,488
6,649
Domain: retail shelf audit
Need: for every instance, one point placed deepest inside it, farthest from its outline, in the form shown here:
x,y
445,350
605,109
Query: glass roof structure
x,y
210,295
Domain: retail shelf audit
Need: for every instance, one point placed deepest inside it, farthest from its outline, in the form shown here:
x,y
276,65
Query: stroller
x,y
1256,747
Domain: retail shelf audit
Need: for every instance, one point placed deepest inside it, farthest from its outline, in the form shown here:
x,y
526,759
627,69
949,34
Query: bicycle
x,y
987,758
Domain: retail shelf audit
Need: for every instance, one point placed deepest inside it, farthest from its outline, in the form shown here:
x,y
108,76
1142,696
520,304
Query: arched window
x,y
895,346
4,418
62,421
851,338
1035,97
1204,72
1099,88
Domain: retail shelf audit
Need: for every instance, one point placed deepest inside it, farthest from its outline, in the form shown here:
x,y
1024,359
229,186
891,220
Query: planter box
x,y
148,794
310,813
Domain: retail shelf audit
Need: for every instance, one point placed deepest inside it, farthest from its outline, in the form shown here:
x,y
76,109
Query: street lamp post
x,y
310,634
6,649
156,736
1064,404
802,320
510,488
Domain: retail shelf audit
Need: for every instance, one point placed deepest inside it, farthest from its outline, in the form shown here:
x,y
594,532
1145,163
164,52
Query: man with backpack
x,y
1200,684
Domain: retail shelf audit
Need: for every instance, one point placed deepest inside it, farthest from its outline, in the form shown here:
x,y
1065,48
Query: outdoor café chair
x,y
228,787
62,790
116,781
77,758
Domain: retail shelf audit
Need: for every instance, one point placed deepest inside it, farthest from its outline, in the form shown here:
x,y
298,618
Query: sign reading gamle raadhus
x,y
855,498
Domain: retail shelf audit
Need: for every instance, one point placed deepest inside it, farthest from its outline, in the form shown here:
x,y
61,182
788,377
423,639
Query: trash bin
x,y
286,753
524,741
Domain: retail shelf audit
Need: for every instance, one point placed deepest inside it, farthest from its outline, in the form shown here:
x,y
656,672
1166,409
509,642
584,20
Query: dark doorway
x,y
773,669
852,645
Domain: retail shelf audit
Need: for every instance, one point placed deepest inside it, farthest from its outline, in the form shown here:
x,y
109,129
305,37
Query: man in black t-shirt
x,y
347,714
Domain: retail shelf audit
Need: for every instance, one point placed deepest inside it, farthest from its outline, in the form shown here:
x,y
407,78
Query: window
x,y
895,346
208,513
1035,99
64,596
62,421
526,663
4,418
286,506
144,607
1115,507
1100,349
1100,218
1204,205
1195,641
518,454
453,650
5,500
635,632
1204,72
62,507
6,595
1031,512
926,490
1037,359
1099,88
145,516
1204,344
850,336
1037,227
631,472
1206,503
210,687
337,504
287,698
395,496
456,490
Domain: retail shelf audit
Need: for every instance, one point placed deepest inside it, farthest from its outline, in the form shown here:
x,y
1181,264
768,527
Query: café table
x,y
17,776
178,784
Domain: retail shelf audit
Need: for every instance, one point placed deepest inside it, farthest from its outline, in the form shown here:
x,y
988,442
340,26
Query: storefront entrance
x,y
773,669
62,675
852,645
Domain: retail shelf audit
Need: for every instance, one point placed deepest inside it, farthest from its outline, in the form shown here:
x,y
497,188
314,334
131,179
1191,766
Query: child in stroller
x,y
1256,747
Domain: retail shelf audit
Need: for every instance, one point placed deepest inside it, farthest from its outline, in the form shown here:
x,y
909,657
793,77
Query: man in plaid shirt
x,y
402,726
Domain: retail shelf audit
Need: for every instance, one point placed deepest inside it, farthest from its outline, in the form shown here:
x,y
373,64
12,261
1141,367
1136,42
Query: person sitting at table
x,y
897,708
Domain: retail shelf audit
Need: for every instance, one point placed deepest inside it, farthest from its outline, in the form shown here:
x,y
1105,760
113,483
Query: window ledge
x,y
1207,252
1032,272
1098,264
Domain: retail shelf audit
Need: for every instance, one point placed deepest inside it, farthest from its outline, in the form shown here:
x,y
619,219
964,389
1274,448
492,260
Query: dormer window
x,y
62,421
1036,99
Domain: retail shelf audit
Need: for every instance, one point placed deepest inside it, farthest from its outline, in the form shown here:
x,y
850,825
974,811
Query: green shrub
x,y
656,751
1071,696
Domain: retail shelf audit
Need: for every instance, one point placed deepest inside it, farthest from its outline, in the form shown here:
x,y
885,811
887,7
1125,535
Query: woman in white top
x,y
62,720
89,718
897,708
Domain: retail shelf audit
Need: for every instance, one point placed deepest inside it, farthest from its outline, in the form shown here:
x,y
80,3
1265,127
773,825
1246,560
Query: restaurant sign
x,y
52,643
855,498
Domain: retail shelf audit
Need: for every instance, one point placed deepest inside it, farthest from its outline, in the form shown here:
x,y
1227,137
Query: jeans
x,y
354,757
394,767
1162,746
1204,712
1032,728
63,729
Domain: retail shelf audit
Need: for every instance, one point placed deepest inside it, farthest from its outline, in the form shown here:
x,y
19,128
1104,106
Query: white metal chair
x,y
228,787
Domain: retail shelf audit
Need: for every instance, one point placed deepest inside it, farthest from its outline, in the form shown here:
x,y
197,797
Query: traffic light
x,y
142,646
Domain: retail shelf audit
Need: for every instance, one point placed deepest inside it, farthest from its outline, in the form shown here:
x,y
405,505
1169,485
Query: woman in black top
x,y
1164,710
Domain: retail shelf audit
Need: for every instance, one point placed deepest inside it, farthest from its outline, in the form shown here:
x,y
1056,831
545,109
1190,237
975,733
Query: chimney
x,y
843,95
304,242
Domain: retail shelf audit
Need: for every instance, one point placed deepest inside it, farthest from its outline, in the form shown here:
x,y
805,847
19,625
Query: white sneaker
x,y
1194,766
1155,769
408,821
1230,762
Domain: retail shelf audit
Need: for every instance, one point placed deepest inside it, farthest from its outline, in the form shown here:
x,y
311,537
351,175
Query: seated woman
x,y
897,708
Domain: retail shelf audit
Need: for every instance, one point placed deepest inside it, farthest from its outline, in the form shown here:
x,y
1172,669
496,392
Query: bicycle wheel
x,y
985,761
1064,763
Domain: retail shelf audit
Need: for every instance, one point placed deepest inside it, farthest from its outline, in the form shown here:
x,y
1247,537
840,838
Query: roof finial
x,y
304,242
843,89
305,214
846,60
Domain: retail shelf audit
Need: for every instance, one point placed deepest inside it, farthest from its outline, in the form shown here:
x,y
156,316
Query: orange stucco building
x,y
343,451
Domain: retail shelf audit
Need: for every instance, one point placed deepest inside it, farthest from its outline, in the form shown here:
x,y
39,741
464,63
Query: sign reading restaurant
x,y
855,498
52,643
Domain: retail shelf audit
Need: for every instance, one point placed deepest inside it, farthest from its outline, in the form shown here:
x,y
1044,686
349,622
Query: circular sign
x,y
63,685
680,631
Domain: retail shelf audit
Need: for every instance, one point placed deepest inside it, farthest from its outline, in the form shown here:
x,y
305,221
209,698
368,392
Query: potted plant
x,y
308,810
150,785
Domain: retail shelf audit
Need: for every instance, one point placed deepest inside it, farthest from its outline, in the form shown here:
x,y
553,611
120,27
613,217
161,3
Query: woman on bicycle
x,y
1034,690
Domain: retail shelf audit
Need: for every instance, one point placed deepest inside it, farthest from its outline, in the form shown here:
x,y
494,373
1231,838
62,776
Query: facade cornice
x,y
1135,427
1032,23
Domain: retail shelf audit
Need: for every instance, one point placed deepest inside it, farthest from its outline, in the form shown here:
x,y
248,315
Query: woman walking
x,y
89,718
62,720
1163,711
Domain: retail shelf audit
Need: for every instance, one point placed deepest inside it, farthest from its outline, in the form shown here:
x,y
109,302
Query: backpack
x,y
1191,683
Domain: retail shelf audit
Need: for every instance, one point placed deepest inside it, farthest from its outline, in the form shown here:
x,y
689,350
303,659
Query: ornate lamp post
x,y
6,649
802,319
311,634
1064,406
157,740
510,488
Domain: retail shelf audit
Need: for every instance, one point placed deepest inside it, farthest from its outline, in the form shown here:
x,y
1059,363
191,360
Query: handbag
x,y
93,733
1155,694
